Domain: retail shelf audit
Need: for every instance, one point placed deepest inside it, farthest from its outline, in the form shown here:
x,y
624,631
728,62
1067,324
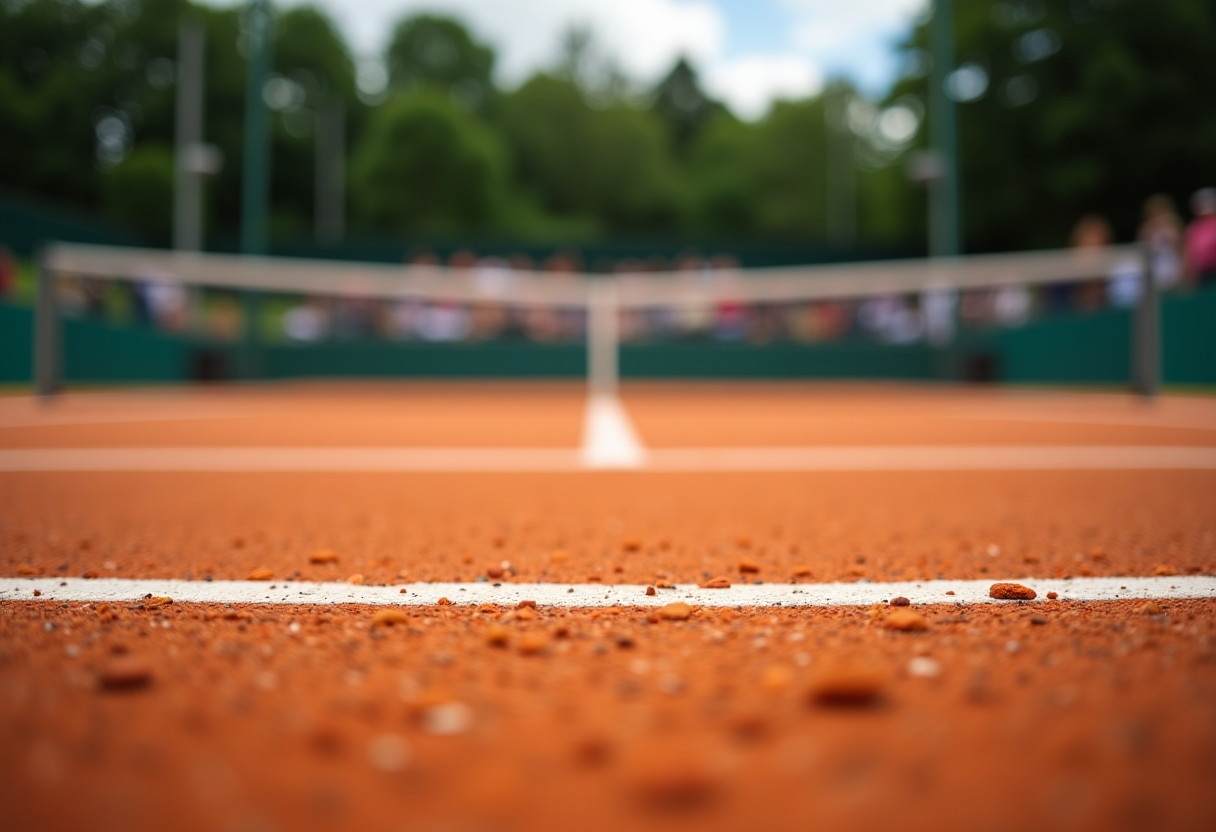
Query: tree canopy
x,y
1087,106
1064,109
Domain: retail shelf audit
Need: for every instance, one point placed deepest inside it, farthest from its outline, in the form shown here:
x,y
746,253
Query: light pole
x,y
255,175
330,173
944,196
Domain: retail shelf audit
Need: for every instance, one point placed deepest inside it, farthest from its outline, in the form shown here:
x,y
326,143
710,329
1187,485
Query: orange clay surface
x,y
615,527
1043,714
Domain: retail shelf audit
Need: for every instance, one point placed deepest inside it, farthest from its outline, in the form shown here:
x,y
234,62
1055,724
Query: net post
x,y
602,337
1146,334
46,331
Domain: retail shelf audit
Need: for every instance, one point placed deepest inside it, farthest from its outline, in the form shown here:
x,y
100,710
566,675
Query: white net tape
x,y
633,290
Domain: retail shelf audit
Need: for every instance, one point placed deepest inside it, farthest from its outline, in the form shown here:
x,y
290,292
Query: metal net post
x,y
1146,336
46,333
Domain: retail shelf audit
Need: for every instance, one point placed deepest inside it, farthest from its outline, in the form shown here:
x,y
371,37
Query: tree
x,y
138,192
426,166
426,50
57,67
686,108
611,165
724,191
313,66
1080,107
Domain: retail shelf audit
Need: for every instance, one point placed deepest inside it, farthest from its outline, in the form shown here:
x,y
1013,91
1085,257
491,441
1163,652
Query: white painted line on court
x,y
596,595
935,458
370,459
609,440
559,460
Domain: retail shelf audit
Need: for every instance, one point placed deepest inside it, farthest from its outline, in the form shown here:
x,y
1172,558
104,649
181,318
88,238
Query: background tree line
x,y
1065,108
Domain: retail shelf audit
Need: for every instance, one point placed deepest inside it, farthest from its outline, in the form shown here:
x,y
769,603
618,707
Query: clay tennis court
x,y
804,693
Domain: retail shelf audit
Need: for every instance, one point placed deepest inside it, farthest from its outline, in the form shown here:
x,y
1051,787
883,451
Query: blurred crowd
x,y
1179,256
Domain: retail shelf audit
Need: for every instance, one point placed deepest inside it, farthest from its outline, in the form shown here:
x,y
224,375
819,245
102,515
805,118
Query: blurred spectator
x,y
1161,236
564,262
462,260
730,316
1161,233
167,301
307,321
94,291
892,319
424,258
765,323
1200,253
8,273
1092,233
1011,305
939,307
443,321
223,319
975,306
354,318
1124,286
521,262
492,275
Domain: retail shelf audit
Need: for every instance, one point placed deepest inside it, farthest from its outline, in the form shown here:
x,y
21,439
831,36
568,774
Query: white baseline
x,y
618,453
595,595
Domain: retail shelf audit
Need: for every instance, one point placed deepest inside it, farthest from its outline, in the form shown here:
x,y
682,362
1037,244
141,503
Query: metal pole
x,y
187,208
46,332
255,176
1146,337
331,172
945,237
602,338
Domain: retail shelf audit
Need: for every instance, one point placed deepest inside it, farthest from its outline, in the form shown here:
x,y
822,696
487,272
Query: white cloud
x,y
645,36
750,83
827,26
852,38
809,39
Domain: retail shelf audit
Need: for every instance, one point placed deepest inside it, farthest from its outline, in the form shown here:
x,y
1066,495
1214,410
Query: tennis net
x,y
253,301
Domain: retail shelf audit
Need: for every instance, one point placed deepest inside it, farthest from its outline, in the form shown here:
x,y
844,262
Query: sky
x,y
748,52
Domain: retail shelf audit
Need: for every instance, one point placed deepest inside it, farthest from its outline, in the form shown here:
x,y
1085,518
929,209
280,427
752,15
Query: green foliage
x,y
428,167
725,191
610,164
138,192
313,67
1091,106
686,107
430,51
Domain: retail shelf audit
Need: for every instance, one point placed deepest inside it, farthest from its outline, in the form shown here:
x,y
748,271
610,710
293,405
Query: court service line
x,y
609,439
559,460
860,593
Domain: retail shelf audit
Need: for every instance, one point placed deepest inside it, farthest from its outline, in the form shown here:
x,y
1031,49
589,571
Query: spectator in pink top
x,y
1200,244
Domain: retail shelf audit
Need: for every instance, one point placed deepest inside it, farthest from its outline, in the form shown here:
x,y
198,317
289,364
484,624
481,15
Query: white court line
x,y
559,460
596,595
372,459
935,458
609,440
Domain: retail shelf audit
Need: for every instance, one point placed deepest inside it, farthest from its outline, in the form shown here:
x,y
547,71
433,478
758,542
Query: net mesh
x,y
305,301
